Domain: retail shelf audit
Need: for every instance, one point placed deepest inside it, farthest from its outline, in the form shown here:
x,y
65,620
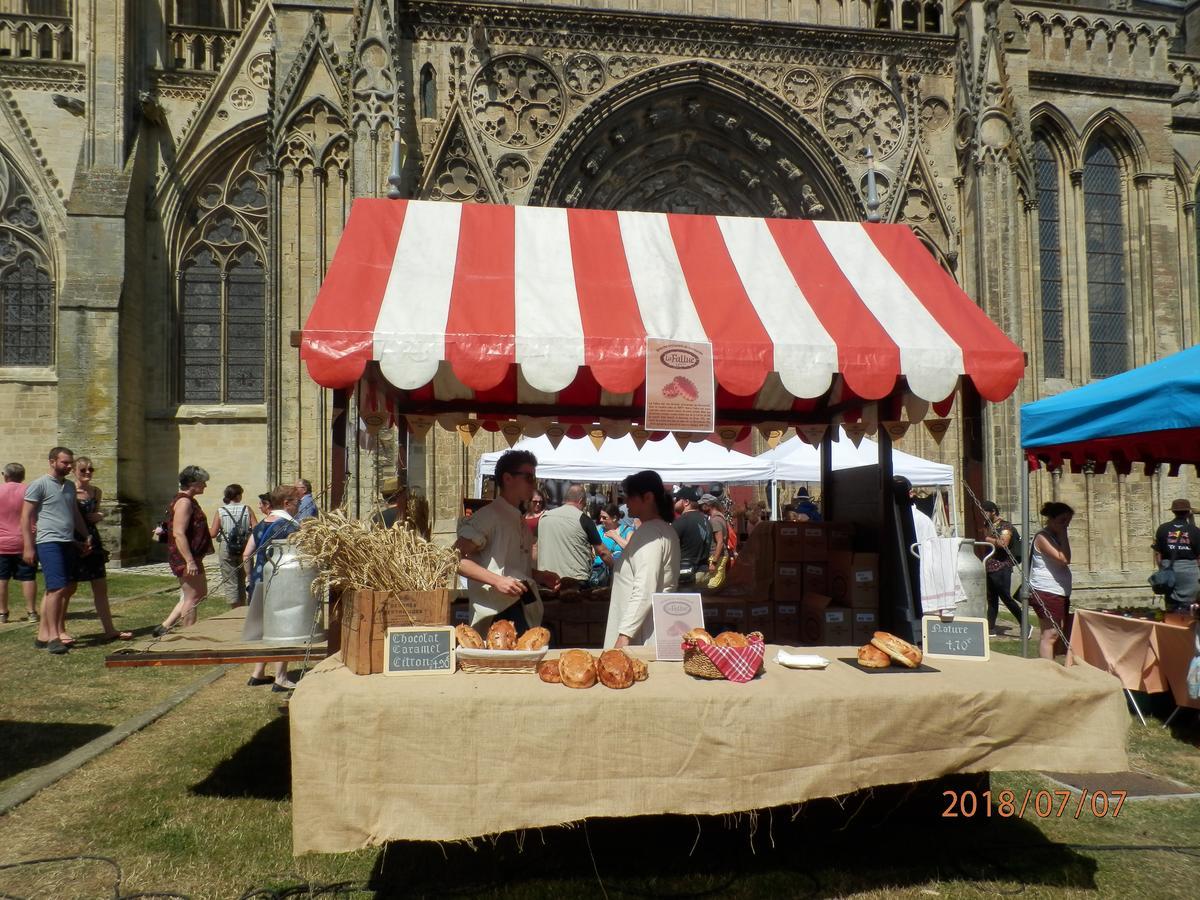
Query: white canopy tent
x,y
577,459
795,460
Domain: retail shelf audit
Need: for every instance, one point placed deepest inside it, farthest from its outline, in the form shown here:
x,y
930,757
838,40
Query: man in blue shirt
x,y
308,506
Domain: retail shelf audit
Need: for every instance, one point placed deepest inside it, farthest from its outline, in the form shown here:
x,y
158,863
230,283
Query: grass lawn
x,y
199,804
53,704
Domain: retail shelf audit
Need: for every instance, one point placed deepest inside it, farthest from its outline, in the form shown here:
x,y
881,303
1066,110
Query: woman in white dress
x,y
649,564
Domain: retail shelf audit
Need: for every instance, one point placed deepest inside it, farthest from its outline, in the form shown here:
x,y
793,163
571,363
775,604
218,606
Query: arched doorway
x,y
696,139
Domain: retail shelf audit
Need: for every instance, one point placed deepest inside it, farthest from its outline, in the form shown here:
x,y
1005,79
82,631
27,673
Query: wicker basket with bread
x,y
700,664
502,651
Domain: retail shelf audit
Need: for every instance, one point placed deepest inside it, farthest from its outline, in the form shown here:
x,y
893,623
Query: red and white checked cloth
x,y
739,664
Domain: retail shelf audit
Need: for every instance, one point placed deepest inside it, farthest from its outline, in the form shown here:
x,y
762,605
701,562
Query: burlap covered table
x,y
1146,656
377,758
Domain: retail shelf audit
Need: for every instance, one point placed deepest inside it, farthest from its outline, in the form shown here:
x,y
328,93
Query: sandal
x,y
117,636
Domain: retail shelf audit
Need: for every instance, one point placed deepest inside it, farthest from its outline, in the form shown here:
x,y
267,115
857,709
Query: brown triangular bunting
x,y
856,431
896,430
555,433
466,431
596,436
728,435
812,434
938,428
511,432
640,436
419,425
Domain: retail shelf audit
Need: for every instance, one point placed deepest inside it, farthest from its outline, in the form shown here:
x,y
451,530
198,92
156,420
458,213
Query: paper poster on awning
x,y
679,386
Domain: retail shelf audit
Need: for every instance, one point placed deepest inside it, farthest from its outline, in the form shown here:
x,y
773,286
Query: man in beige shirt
x,y
497,550
568,540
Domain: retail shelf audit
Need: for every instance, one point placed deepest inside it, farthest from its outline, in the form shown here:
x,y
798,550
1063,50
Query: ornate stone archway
x,y
697,139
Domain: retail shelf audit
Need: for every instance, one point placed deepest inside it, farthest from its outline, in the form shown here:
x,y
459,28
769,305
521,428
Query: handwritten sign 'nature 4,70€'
x,y
957,638
679,386
419,650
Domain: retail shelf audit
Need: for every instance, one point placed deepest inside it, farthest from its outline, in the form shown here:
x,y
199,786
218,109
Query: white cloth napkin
x,y
801,660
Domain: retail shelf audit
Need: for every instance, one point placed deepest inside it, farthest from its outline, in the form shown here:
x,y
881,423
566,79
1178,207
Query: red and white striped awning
x,y
551,308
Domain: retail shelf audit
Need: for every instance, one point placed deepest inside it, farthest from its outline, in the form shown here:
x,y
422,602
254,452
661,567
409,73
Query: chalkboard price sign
x,y
958,638
419,650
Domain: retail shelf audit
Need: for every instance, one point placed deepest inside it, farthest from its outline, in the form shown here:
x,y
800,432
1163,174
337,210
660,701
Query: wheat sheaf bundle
x,y
353,554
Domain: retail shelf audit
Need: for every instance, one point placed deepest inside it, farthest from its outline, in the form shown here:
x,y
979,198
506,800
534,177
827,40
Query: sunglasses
x,y
88,470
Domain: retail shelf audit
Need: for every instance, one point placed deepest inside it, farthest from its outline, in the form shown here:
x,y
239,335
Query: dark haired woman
x,y
648,565
1050,576
232,526
189,543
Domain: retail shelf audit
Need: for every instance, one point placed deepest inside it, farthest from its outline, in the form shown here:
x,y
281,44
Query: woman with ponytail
x,y
649,564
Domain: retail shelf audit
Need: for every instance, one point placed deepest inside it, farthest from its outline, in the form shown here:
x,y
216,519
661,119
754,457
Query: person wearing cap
x,y
718,557
803,504
695,536
1176,544
392,495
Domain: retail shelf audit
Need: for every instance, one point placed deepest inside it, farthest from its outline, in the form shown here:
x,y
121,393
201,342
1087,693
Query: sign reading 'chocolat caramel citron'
x,y
419,650
679,386
957,638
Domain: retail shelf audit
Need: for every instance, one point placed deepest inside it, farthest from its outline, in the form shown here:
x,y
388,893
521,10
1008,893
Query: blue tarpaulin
x,y
1148,415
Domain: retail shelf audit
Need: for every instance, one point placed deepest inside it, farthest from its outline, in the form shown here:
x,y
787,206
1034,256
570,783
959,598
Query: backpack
x,y
1014,543
237,539
162,533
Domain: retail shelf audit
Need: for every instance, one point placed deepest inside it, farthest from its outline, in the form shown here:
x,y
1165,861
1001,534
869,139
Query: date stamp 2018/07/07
x,y
1044,804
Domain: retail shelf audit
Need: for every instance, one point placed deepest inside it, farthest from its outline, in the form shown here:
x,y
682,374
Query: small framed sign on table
x,y
419,650
957,638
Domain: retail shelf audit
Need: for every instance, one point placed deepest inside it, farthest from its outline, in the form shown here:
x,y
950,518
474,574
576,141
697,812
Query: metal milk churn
x,y
289,607
973,577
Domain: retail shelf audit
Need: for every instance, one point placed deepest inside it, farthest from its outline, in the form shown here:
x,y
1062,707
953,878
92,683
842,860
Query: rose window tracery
x,y
861,112
517,101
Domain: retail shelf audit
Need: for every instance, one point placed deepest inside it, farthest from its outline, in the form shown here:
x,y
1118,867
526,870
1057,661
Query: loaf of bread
x,y
549,673
698,636
615,669
502,635
640,670
731,639
534,639
577,668
468,637
899,650
871,657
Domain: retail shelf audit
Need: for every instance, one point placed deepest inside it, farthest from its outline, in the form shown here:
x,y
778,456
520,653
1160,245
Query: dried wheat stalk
x,y
353,554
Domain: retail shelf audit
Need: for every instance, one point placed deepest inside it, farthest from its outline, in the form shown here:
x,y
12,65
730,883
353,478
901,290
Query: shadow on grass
x,y
261,768
28,745
881,840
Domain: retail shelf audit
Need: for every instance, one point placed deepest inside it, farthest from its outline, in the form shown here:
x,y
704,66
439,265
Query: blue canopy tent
x,y
1149,415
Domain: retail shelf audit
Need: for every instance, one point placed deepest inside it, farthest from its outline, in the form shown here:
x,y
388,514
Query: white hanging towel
x,y
941,587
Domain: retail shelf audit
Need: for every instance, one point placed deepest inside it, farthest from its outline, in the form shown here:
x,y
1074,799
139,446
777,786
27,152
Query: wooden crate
x,y
367,615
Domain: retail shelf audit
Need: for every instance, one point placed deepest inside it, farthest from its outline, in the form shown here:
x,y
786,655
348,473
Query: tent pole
x,y
774,500
1027,549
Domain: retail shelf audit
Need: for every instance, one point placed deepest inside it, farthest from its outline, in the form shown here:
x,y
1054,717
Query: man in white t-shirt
x,y
497,550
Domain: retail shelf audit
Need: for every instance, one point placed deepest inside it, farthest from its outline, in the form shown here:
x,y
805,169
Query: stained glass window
x,y
1050,253
26,285
1107,288
222,288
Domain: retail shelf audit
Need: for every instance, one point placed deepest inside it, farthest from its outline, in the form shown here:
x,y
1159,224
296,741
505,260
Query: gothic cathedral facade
x,y
175,174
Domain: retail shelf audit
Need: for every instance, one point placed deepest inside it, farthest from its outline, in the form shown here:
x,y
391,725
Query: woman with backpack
x,y
232,526
1007,541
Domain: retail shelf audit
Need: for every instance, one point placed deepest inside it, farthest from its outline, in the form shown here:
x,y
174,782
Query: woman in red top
x,y
190,542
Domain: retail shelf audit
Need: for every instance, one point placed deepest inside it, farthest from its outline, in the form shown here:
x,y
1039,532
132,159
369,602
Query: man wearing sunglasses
x,y
496,550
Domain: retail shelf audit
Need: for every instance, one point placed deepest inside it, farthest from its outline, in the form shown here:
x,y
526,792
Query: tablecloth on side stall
x,y
222,632
1146,656
378,758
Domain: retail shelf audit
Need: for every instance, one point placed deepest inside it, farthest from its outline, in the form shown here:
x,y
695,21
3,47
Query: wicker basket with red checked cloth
x,y
739,664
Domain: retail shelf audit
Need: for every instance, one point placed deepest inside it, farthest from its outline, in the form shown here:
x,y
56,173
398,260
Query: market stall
x,y
541,321
1146,655
794,460
1149,416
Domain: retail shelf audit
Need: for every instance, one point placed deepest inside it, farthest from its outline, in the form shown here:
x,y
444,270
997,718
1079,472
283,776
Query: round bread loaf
x,y
534,639
548,672
468,637
640,670
698,636
731,639
502,635
871,657
577,668
615,670
899,650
